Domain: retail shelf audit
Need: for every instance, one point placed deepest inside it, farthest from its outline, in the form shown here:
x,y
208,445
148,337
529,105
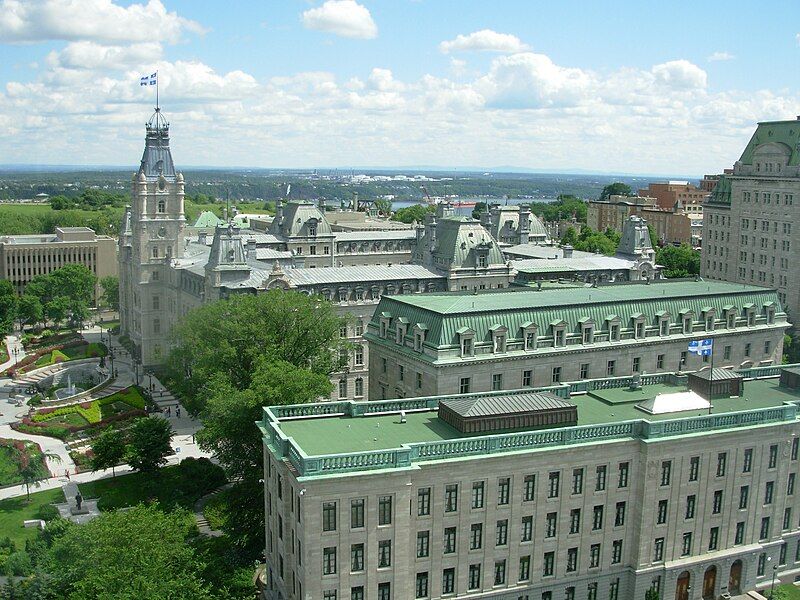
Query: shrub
x,y
19,563
48,512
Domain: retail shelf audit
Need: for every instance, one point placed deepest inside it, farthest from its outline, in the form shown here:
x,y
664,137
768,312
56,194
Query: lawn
x,y
74,353
791,592
14,511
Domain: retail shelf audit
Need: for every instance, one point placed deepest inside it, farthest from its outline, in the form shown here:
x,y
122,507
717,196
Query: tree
x,y
29,310
616,189
415,212
57,309
570,237
8,306
108,450
678,261
141,553
653,236
110,285
383,206
30,470
479,209
149,444
651,594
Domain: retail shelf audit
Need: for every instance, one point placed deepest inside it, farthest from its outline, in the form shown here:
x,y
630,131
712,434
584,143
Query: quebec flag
x,y
149,79
701,347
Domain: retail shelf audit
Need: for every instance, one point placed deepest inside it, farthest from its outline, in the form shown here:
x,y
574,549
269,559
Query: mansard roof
x,y
157,158
785,133
297,216
457,239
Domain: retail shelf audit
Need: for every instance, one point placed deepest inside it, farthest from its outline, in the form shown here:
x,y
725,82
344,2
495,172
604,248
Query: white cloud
x,y
720,56
383,81
25,21
86,55
347,18
680,74
485,40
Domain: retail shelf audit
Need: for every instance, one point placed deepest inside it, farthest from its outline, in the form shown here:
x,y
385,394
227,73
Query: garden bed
x,y
13,453
53,354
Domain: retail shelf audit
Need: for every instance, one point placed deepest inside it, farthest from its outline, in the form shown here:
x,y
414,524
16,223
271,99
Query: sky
x,y
630,86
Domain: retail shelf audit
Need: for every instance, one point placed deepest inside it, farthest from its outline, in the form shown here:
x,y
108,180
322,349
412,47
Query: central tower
x,y
151,236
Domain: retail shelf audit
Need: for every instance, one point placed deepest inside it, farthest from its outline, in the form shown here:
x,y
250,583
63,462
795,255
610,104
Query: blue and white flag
x,y
149,79
701,347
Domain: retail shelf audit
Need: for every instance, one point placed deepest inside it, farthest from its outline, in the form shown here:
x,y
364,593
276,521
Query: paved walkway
x,y
202,523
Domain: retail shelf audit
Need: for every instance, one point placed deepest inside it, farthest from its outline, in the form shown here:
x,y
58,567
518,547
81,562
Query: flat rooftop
x,y
337,434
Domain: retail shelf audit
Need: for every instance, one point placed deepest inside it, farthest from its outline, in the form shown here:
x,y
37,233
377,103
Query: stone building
x,y
437,344
511,225
671,226
750,228
23,257
599,499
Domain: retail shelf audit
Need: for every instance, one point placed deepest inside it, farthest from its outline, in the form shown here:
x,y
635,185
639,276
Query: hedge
x,y
63,432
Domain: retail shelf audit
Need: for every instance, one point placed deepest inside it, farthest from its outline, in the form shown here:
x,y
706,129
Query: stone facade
x,y
671,226
750,227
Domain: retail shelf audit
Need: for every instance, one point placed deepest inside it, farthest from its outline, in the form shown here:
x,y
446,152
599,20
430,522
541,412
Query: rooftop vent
x,y
481,414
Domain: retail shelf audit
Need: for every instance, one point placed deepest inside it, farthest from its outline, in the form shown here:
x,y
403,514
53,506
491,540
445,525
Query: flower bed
x,y
50,355
48,338
14,455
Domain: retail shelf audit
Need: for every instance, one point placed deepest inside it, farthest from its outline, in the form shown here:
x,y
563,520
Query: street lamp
x,y
772,588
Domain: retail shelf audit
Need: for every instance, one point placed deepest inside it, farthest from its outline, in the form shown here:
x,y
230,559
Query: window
x,y
637,362
551,525
549,564
594,556
613,589
591,591
503,491
616,552
762,564
359,387
572,560
790,485
556,375
764,533
773,456
451,498
694,468
600,478
660,361
584,370
343,388
739,537
423,502
497,381
527,378
384,553
384,591
357,557
795,445
449,544
358,359
499,572
524,568
744,492
552,491
385,510
575,520
787,518
658,550
464,385
423,543
329,595
666,471
329,560
767,347
530,488
722,459
422,585
474,577
662,512
726,353
569,593
448,581
597,517
329,516
686,547
619,518
577,481
419,381
466,346
713,538
477,494
747,464
623,474
782,554
476,536
716,507
527,529
747,349
611,368
769,489
501,533
401,373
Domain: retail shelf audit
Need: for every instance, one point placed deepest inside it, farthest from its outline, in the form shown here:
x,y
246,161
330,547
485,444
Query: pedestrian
x,y
169,411
178,411
66,472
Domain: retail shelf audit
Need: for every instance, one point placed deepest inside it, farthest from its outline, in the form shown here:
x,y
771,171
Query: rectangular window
x,y
597,517
549,564
552,491
616,552
527,378
686,547
744,493
761,565
577,481
448,581
572,560
787,518
716,507
422,585
497,381
594,556
552,522
658,550
591,591
474,577
769,490
449,544
329,560
795,445
527,529
384,591
524,568
384,553
477,494
666,471
530,488
739,537
662,512
713,538
569,593
722,459
619,518
584,370
329,595
623,474
600,479
464,385
357,557
423,501
764,532
503,491
747,463
611,368
782,554
499,572
691,502
660,361
501,533
451,498
694,468
385,510
773,456
790,485
423,543
476,536
575,520
329,516
637,363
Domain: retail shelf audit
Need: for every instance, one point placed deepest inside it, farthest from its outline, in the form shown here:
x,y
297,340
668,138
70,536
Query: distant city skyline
x,y
626,87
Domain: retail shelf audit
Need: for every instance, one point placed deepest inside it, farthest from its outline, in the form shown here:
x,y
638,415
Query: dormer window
x,y
400,331
687,324
709,319
529,336
312,230
770,312
730,318
343,295
386,319
614,332
751,317
663,325
466,347
587,330
419,339
559,334
466,337
639,328
482,261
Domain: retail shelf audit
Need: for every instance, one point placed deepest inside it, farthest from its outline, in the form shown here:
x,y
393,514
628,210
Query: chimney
x,y
567,251
202,238
524,223
225,214
279,211
250,247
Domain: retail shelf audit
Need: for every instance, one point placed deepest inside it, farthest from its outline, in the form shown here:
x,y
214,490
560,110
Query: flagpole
x,y
711,377
156,90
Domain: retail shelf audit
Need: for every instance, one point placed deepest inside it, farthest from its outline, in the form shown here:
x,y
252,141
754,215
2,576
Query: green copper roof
x,y
445,313
722,191
778,132
208,219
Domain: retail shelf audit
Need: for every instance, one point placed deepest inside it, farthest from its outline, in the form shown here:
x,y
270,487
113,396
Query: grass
x,y
215,510
123,401
791,592
14,511
74,353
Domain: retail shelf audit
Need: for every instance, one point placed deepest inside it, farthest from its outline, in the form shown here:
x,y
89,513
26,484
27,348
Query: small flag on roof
x,y
149,79
701,347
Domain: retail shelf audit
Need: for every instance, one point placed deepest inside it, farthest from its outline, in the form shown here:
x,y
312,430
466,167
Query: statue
x,y
78,500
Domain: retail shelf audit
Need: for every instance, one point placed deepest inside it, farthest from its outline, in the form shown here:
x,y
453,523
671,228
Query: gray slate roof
x,y
354,274
485,406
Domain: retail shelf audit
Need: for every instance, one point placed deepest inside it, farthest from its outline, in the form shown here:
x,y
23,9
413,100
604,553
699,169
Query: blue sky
x,y
635,87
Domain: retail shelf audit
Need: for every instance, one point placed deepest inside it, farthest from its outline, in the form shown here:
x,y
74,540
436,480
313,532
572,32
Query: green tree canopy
x,y
616,189
149,444
570,237
479,208
8,306
30,310
108,450
110,285
141,553
416,212
678,261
